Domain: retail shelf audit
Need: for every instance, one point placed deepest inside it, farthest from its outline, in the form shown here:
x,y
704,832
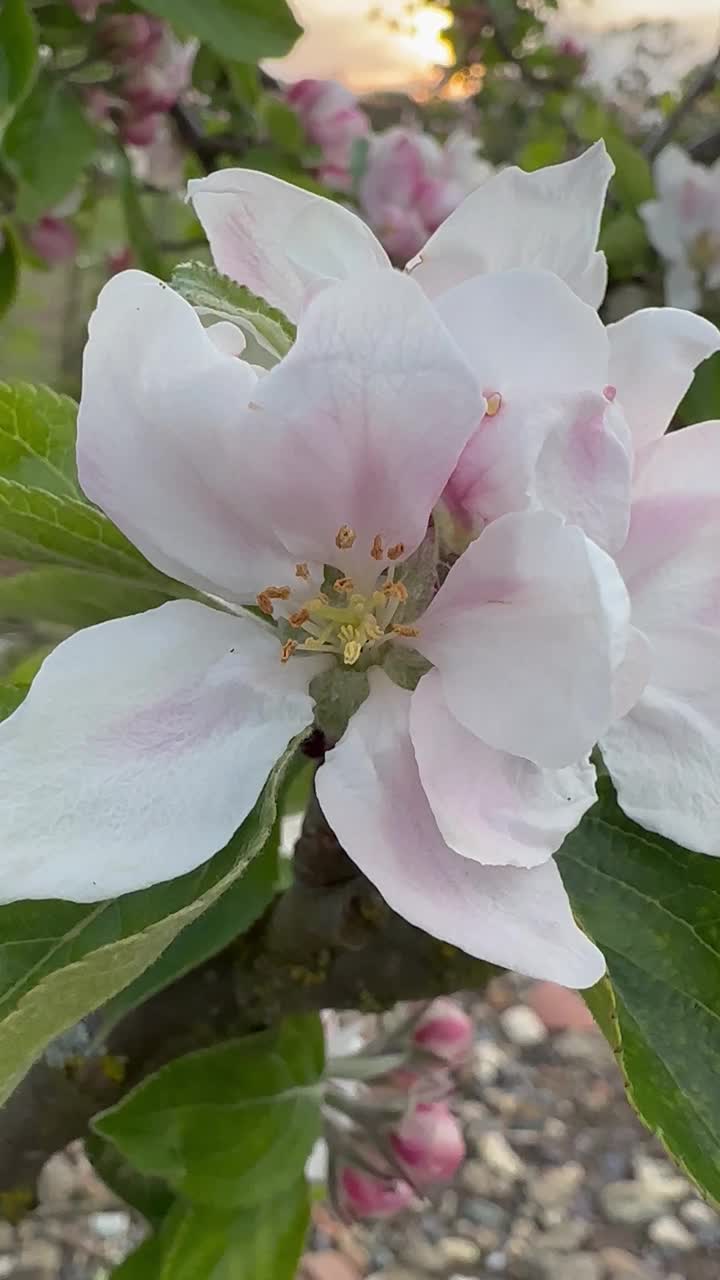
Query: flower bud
x,y
429,1144
444,1030
363,1195
139,128
52,239
131,37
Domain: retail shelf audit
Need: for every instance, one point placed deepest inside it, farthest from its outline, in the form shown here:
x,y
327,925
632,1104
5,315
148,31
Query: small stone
x,y
7,1236
7,1267
502,1100
566,1237
579,1046
457,1251
394,1273
109,1223
576,1266
559,1008
699,1215
631,1203
59,1181
477,1179
496,1262
621,1265
668,1232
42,1254
522,1026
488,1061
660,1178
555,1187
417,1252
500,1157
449,1204
485,1213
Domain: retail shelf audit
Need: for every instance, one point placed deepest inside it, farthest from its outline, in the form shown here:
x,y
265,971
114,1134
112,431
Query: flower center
x,y
341,620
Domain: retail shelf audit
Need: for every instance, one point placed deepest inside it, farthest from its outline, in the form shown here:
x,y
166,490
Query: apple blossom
x,y
152,736
333,120
683,224
411,184
284,243
428,1144
444,1030
362,1194
52,239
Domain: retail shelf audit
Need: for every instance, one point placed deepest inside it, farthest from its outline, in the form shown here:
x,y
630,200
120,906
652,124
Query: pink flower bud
x,y
429,1144
156,84
131,37
87,9
119,260
52,239
332,119
444,1030
139,128
100,104
365,1196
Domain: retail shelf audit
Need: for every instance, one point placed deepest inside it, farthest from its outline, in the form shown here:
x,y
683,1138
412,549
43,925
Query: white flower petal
x,y
549,219
653,357
279,240
497,809
527,633
686,461
142,745
370,791
361,424
160,440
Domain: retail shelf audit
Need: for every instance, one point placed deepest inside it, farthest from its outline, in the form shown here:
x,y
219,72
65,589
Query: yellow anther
x,y
344,585
313,643
351,652
264,602
372,628
297,619
395,591
317,603
376,550
400,630
395,552
345,537
288,650
494,404
347,633
302,571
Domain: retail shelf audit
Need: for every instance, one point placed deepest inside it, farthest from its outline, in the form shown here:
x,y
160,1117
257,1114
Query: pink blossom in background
x,y
364,1195
131,38
333,120
429,1144
52,239
412,183
120,260
444,1030
683,225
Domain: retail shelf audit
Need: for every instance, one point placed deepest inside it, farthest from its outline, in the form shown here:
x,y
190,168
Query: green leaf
x,y
263,1243
9,267
229,917
213,294
624,242
244,29
59,960
48,144
45,528
702,402
75,598
37,437
10,698
151,1197
282,124
18,57
654,910
229,1126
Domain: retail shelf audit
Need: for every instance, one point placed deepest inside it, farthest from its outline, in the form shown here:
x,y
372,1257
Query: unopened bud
x,y
52,239
429,1144
444,1030
363,1195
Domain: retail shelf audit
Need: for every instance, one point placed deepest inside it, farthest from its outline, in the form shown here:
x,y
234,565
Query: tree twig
x,y
702,82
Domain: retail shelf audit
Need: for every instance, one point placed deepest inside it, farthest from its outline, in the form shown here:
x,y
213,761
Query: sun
x,y
424,40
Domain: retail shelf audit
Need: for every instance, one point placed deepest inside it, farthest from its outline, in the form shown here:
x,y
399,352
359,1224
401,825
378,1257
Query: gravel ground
x,y
561,1183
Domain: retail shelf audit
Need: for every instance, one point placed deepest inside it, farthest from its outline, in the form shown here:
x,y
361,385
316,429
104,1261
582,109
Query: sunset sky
x,y
343,42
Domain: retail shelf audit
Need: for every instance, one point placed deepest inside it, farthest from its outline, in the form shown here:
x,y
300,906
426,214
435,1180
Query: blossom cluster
x,y
393,1138
683,224
457,486
407,182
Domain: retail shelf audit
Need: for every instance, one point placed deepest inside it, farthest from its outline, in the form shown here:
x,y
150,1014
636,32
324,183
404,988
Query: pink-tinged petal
x,y
548,219
496,808
140,748
160,440
653,356
682,286
633,673
686,461
671,562
526,334
663,230
663,756
584,470
527,633
370,790
361,424
279,240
